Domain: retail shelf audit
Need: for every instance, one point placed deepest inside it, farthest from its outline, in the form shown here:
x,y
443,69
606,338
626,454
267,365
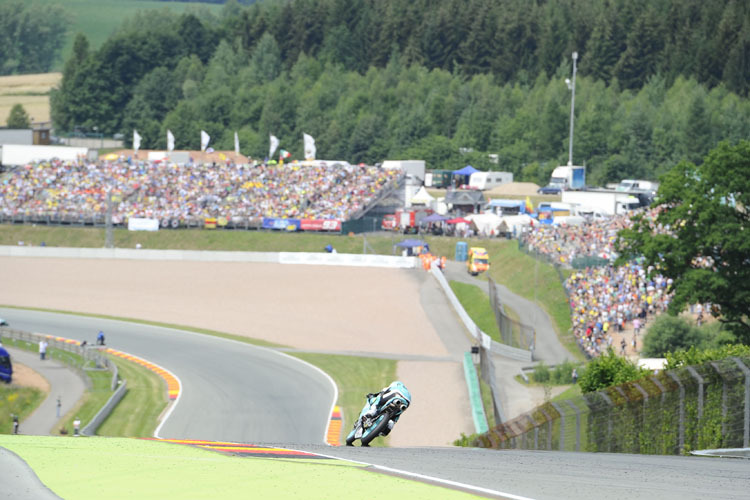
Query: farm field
x,y
31,91
98,19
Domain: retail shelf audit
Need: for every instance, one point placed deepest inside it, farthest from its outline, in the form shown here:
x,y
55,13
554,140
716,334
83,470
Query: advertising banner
x,y
142,224
281,224
320,225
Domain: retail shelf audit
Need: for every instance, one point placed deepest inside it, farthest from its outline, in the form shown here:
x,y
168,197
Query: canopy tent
x,y
422,197
458,220
410,243
434,218
516,223
485,223
508,206
413,247
467,170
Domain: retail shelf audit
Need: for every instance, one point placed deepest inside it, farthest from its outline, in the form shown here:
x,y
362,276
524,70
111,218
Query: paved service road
x,y
65,384
231,391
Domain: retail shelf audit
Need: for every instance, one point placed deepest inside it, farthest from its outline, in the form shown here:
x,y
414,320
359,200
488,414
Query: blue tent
x,y
411,243
413,247
434,218
467,170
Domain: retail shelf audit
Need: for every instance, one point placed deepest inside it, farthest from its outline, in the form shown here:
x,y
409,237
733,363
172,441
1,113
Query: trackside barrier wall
x,y
104,412
671,413
308,258
472,383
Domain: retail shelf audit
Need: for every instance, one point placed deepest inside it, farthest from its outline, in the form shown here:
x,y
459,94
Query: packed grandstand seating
x,y
165,191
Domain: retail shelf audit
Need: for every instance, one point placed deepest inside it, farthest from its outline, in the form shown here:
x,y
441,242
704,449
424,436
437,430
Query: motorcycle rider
x,y
388,392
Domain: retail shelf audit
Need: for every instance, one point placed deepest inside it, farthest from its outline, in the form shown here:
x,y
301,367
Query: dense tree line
x,y
284,68
31,36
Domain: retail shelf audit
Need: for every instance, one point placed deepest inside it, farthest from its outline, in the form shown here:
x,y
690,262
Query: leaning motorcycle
x,y
368,427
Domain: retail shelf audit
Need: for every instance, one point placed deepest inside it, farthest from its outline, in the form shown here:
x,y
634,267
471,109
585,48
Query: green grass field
x,y
19,401
137,413
98,19
476,303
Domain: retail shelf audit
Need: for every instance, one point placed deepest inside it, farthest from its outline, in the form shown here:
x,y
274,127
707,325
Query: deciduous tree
x,y
700,237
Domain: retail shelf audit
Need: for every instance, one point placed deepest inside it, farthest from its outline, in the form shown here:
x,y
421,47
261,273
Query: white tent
x,y
485,223
422,197
516,223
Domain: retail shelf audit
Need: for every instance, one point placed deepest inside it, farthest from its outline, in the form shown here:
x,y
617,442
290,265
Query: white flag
x,y
204,140
170,141
309,147
236,143
136,141
274,145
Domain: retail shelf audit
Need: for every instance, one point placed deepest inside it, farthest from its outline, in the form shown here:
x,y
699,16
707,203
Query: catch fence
x,y
673,412
513,333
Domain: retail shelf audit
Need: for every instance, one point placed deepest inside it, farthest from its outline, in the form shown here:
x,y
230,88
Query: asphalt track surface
x,y
217,404
230,391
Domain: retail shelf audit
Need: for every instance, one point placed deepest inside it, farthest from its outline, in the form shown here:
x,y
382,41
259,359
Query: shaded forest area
x,y
658,81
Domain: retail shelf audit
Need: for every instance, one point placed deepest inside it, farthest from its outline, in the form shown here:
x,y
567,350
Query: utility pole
x,y
572,87
109,239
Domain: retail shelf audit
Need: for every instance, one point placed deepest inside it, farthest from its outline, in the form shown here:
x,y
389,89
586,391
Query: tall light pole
x,y
572,87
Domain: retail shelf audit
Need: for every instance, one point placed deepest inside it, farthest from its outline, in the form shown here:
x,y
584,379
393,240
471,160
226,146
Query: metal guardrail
x,y
105,411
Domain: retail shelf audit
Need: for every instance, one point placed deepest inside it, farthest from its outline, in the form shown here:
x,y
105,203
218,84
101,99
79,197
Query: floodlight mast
x,y
572,87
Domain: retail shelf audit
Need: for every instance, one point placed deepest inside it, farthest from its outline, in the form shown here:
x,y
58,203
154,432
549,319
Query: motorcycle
x,y
389,405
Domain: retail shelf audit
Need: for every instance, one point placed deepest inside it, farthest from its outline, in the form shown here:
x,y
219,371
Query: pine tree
x,y
18,117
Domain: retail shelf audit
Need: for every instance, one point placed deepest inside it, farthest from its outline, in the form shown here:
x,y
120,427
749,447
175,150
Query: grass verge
x,y
355,378
539,282
19,401
476,303
138,412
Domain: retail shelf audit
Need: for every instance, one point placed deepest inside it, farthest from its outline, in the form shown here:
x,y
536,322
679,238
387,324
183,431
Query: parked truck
x,y
406,221
478,261
568,177
603,201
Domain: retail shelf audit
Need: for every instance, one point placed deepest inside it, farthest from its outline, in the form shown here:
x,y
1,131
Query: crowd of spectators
x,y
169,191
605,300
564,243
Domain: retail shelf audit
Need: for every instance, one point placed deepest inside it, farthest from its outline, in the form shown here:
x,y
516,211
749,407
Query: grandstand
x,y
221,186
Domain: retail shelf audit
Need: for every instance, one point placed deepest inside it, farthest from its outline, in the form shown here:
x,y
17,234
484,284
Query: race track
x,y
229,389
218,405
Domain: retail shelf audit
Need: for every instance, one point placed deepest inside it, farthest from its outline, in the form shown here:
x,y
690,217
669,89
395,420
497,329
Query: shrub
x,y
672,333
695,356
541,373
562,374
608,370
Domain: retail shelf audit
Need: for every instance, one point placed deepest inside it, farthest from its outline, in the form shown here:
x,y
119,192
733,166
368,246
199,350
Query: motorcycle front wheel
x,y
375,430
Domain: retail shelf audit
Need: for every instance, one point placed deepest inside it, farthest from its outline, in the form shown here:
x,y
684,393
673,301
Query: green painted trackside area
x,y
124,468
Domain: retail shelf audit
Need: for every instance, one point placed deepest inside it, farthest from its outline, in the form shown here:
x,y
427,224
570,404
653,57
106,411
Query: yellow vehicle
x,y
478,262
